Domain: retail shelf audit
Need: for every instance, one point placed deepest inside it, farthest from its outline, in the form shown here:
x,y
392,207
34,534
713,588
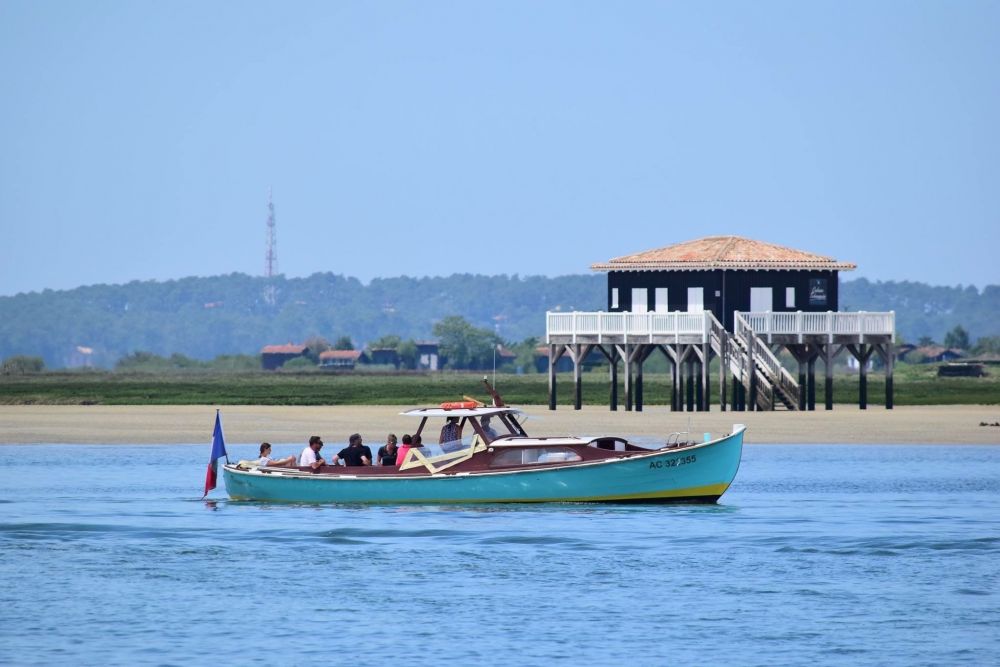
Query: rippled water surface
x,y
885,555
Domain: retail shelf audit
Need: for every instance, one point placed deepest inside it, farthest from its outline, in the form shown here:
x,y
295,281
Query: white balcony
x,y
828,325
692,328
650,328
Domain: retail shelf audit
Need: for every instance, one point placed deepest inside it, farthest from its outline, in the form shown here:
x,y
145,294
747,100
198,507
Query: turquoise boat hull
x,y
699,473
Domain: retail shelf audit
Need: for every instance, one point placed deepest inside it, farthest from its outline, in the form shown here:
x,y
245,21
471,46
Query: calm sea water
x,y
886,555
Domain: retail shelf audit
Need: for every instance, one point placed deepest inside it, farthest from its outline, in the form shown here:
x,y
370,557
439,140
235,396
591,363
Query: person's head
x,y
265,448
316,443
486,422
407,439
391,440
416,441
452,420
355,440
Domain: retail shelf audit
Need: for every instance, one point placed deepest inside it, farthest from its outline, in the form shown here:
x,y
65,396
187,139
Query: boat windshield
x,y
436,457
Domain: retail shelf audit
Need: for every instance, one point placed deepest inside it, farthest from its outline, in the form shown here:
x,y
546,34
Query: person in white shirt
x,y
310,457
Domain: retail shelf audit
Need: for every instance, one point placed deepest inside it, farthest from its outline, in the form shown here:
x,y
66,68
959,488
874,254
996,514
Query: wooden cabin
x,y
428,357
723,274
728,298
273,357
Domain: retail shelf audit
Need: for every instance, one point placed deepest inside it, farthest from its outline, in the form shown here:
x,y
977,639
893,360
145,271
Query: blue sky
x,y
138,140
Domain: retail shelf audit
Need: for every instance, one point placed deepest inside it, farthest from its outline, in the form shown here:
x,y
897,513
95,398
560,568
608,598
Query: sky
x,y
139,140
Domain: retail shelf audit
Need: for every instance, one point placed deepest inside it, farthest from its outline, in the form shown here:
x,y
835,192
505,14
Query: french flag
x,y
218,451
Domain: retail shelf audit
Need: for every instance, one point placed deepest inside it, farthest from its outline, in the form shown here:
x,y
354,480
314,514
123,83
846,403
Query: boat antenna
x,y
494,365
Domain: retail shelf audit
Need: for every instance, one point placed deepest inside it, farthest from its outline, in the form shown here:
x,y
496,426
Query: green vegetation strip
x,y
916,385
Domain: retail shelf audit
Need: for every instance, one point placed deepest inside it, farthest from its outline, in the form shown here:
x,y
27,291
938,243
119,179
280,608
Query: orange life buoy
x,y
459,405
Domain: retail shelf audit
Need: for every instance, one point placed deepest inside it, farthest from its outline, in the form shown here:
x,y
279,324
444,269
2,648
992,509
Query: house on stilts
x,y
728,298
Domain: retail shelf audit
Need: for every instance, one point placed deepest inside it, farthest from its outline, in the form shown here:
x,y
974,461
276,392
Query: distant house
x,y
384,356
81,357
565,362
274,356
505,356
343,359
902,351
427,355
935,353
563,365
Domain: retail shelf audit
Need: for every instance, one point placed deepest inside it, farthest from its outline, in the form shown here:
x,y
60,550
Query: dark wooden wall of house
x,y
725,291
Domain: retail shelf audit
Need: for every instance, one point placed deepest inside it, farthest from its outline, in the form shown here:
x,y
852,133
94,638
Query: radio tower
x,y
271,254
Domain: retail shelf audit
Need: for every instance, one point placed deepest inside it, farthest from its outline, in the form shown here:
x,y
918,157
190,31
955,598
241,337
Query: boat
x,y
496,461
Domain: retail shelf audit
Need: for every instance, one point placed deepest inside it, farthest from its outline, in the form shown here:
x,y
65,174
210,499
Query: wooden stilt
x,y
889,356
690,385
699,386
675,399
639,357
863,377
811,390
553,360
577,388
629,388
613,358
706,397
723,371
802,361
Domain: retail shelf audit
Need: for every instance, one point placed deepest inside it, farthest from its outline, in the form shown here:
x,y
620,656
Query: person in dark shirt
x,y
355,454
387,453
450,431
488,429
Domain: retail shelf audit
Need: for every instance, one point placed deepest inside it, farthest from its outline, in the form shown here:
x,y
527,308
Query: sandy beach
x,y
137,425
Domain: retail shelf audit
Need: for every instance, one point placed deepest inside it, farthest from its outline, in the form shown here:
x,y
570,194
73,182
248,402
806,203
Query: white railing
x,y
625,325
828,324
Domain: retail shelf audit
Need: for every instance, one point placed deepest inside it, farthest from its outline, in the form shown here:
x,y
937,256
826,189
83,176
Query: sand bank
x,y
252,424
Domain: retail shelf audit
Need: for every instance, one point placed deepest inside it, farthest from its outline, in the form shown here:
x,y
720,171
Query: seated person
x,y
355,454
489,430
387,454
310,458
408,443
450,431
266,460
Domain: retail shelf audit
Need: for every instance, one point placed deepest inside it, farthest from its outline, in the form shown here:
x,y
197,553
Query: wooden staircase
x,y
753,364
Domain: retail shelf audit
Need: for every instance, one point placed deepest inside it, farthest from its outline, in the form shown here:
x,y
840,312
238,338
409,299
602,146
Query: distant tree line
x,y
958,339
202,319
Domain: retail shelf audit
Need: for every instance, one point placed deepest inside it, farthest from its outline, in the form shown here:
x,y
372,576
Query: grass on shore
x,y
914,385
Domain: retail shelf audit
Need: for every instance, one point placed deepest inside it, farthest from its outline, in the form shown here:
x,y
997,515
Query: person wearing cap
x,y
310,457
355,454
